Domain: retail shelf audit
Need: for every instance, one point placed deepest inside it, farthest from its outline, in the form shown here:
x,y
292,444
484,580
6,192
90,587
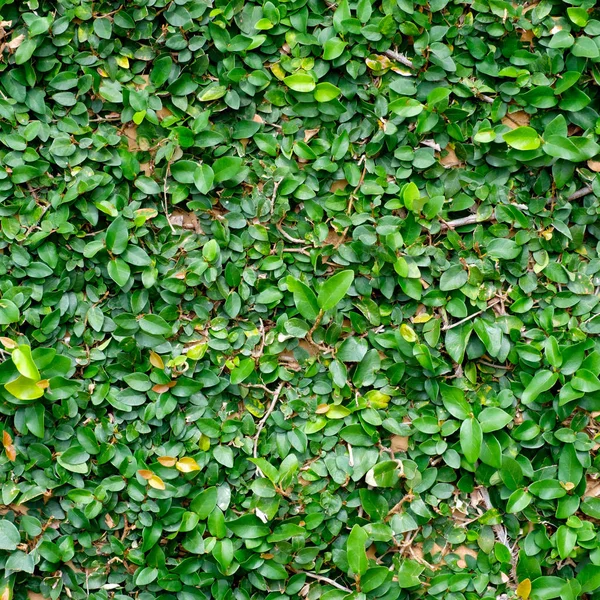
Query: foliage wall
x,y
299,299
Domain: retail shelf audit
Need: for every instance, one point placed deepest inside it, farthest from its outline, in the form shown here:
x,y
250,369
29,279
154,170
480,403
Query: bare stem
x,y
470,317
399,58
325,580
262,422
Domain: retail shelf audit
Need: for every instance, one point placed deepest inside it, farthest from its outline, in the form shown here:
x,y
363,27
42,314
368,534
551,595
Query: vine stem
x,y
324,579
262,422
470,317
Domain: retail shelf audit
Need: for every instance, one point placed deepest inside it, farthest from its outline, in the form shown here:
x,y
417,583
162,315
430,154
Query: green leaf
x,y
493,419
119,271
502,248
542,381
23,388
9,312
324,92
406,107
300,82
454,402
304,299
23,360
184,171
204,178
334,289
226,168
155,325
117,236
333,48
566,539
574,149
9,535
242,371
471,438
248,527
518,501
522,138
355,550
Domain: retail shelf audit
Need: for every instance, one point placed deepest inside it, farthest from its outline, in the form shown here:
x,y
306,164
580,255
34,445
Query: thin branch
x,y
489,364
470,317
580,193
276,185
473,219
400,58
325,580
501,534
258,386
262,422
288,237
165,201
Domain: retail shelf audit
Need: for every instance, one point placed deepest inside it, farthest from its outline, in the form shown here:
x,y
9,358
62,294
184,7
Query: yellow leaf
x,y
322,409
187,465
204,443
156,482
408,333
422,318
145,474
524,589
156,360
167,461
123,62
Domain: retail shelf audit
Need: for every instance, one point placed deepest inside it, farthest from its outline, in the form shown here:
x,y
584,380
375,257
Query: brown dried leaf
x,y
8,343
15,42
163,113
517,119
130,133
463,551
147,169
310,348
594,165
399,443
339,184
146,78
592,488
185,220
333,237
160,388
18,509
109,521
449,158
309,134
11,453
167,461
6,438
527,35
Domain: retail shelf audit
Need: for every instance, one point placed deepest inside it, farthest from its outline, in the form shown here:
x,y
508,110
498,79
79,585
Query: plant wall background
x,y
299,299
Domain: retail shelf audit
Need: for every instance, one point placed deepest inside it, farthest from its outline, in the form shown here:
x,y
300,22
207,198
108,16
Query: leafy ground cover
x,y
299,299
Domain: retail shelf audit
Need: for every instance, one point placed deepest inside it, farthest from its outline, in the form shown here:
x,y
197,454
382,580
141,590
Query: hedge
x,y
299,299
